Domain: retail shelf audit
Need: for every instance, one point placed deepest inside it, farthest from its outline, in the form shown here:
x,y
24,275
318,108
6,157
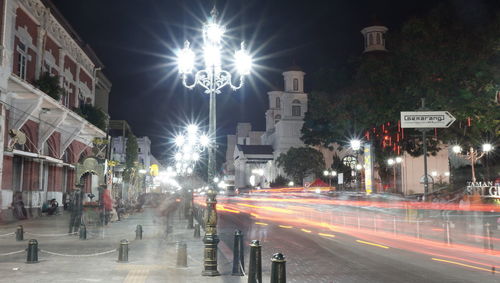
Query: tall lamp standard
x,y
393,162
473,155
330,174
356,146
213,78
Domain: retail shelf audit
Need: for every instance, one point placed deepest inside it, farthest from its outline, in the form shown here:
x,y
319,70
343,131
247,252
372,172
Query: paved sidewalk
x,y
65,258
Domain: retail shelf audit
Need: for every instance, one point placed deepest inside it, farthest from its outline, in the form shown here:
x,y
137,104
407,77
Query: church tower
x,y
374,37
285,116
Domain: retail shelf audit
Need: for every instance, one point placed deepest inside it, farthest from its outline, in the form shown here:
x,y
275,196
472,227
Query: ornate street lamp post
x,y
473,155
212,78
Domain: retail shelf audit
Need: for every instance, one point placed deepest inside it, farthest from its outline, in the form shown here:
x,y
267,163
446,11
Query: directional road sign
x,y
426,119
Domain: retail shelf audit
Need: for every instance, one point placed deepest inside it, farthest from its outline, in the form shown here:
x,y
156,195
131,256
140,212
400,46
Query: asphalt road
x,y
337,257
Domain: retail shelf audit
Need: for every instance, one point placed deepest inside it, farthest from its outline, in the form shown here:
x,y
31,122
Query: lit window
x,y
295,85
22,58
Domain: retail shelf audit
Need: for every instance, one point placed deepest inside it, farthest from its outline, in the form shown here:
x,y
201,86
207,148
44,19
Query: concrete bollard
x,y
255,263
83,232
181,254
32,251
237,254
138,232
19,233
278,268
197,233
123,251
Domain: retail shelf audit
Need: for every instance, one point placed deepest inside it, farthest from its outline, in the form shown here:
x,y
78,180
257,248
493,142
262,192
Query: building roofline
x,y
71,31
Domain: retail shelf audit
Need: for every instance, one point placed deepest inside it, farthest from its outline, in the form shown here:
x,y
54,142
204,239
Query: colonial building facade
x,y
43,136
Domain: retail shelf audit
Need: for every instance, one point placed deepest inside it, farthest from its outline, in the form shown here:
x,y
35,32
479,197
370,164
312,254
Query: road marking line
x,y
305,230
326,235
261,223
466,265
136,276
372,244
286,226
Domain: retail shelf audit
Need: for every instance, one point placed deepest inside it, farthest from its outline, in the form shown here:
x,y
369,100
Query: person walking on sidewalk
x,y
76,209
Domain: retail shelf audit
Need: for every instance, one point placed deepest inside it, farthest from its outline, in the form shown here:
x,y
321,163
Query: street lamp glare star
x,y
192,129
179,140
456,149
204,140
355,144
390,161
487,147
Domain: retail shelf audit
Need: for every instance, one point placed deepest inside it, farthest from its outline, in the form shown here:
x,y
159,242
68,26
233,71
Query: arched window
x,y
350,161
378,38
370,37
277,118
278,103
296,111
295,84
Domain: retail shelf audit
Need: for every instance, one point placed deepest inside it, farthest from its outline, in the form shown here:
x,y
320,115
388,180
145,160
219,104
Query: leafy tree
x,y
454,65
280,181
49,84
94,115
301,162
131,156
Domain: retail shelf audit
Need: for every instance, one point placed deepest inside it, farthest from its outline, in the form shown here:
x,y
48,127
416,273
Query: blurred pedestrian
x,y
76,209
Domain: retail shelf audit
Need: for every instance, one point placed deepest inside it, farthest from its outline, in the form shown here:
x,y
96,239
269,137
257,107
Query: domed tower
x,y
374,37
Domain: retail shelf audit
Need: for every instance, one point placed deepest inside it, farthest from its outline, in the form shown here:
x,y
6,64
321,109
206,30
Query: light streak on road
x,y
326,235
465,265
389,224
372,244
261,223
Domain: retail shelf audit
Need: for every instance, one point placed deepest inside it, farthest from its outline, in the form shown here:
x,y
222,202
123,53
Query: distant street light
x,y
473,155
330,174
393,162
355,145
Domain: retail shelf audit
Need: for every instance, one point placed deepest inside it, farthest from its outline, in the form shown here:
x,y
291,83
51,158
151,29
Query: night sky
x,y
136,41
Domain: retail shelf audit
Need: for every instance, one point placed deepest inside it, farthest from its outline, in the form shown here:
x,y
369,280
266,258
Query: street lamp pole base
x,y
210,256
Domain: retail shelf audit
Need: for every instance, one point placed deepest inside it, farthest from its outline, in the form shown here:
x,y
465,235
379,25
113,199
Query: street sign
x,y
426,119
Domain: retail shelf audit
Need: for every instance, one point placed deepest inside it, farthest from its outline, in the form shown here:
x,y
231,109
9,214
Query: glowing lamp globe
x,y
192,129
185,59
487,147
355,144
243,61
456,149
325,173
390,161
213,32
179,141
204,140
